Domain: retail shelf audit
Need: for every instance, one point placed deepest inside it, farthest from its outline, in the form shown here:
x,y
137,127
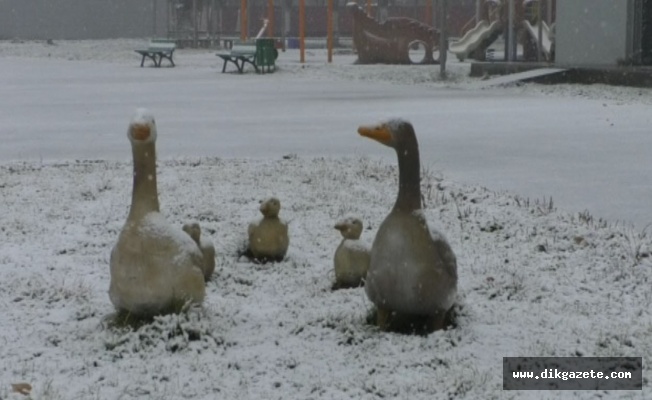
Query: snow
x,y
537,277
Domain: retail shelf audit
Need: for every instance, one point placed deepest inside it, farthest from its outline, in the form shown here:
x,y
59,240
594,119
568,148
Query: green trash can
x,y
266,54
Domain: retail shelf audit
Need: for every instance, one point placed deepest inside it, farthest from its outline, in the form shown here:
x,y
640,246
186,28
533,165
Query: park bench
x,y
157,50
261,55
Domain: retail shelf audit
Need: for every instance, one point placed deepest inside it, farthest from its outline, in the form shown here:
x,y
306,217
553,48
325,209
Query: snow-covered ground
x,y
536,279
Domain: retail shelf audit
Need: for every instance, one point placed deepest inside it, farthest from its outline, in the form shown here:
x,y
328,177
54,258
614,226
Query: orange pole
x,y
302,29
270,18
369,7
428,20
329,30
243,20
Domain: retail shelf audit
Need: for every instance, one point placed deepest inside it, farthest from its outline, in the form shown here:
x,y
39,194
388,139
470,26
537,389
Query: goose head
x,y
350,228
399,134
270,207
142,128
396,133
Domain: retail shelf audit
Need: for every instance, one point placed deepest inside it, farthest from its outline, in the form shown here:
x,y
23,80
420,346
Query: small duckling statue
x,y
268,237
352,255
206,247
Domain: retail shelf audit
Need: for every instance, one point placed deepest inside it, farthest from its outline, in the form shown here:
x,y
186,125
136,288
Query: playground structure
x,y
390,41
518,21
206,23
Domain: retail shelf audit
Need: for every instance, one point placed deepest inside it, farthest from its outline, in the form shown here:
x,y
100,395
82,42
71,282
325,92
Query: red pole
x,y
270,18
428,12
302,29
329,30
243,20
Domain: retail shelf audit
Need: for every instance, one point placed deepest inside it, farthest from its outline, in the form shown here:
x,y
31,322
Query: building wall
x,y
81,19
593,32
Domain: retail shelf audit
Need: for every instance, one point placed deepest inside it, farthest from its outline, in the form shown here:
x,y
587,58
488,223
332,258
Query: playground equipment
x,y
475,42
538,41
390,42
540,34
482,35
515,19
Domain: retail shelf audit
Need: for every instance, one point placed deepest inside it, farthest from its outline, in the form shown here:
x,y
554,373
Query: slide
x,y
472,39
533,30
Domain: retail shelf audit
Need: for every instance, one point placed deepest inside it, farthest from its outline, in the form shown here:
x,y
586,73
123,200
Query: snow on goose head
x,y
142,128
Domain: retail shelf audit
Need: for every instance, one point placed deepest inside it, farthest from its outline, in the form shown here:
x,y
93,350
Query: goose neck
x,y
409,178
145,195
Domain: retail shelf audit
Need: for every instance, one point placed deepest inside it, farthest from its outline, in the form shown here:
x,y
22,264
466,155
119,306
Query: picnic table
x,y
261,55
157,50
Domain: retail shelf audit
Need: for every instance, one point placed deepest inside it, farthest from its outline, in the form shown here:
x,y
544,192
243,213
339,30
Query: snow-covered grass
x,y
534,280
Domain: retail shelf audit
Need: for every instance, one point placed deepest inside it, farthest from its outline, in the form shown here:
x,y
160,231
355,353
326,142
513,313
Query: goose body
x,y
351,260
412,269
154,266
206,247
268,237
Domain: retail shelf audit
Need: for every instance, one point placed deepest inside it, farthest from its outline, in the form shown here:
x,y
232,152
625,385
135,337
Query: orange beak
x,y
140,131
379,133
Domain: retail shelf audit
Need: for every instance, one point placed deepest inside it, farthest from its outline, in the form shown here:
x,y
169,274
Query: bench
x,y
239,55
261,55
157,50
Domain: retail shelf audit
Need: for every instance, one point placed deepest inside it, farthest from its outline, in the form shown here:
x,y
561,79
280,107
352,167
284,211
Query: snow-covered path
x,y
587,153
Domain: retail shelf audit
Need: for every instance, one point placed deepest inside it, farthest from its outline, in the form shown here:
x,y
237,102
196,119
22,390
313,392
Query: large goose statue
x,y
413,271
155,267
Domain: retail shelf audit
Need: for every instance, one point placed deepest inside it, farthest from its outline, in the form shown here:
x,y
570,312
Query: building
x,y
603,32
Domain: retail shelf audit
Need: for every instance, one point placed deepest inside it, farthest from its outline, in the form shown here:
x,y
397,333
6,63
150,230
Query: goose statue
x,y
351,258
208,250
155,267
413,271
268,237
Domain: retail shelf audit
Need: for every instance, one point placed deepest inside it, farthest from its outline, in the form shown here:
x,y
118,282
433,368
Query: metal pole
x,y
284,5
167,19
154,17
540,33
549,13
243,20
510,32
302,30
195,34
443,42
329,30
369,8
478,8
270,18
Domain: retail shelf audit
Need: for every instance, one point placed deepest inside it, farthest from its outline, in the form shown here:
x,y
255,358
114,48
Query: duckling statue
x,y
155,267
208,250
352,255
268,237
413,271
